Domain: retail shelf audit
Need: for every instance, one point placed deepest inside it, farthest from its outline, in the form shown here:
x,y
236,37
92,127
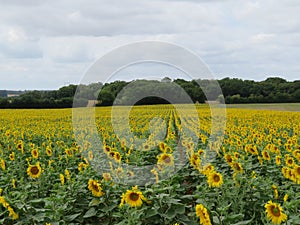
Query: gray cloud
x,y
57,40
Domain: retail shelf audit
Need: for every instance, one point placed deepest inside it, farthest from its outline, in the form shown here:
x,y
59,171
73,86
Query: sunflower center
x,y
216,178
275,211
134,196
34,170
166,159
237,167
117,156
95,188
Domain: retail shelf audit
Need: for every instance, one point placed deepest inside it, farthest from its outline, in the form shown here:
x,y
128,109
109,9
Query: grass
x,y
268,106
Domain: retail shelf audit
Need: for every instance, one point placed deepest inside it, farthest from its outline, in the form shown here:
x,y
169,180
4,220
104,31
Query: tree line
x,y
141,92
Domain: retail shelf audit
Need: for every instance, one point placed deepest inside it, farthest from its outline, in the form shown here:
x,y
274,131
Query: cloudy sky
x,y
48,44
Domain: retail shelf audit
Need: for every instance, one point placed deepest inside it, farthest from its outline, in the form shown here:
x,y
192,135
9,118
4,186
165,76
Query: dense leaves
x,y
272,90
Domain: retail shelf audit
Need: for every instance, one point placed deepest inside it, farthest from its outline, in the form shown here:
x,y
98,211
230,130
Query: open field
x,y
268,106
163,165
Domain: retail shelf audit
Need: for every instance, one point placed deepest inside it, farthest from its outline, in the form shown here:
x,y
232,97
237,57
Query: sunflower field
x,y
157,166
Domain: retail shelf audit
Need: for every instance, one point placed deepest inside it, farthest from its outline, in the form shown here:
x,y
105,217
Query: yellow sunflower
x,y
106,176
62,179
202,213
133,197
146,147
278,160
285,198
275,212
289,161
48,151
117,157
296,172
35,153
34,171
165,159
95,188
207,169
106,149
266,155
195,161
228,159
12,156
67,173
162,146
237,167
214,179
3,164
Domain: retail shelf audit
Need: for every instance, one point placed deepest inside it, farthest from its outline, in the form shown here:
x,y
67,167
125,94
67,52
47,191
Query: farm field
x,y
268,106
162,167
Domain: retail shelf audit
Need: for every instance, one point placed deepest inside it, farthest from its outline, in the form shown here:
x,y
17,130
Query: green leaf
x,y
180,208
90,213
94,202
175,210
72,217
150,213
245,221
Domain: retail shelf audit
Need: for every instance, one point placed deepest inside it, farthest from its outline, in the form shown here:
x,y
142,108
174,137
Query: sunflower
x,y
62,179
106,149
13,183
162,146
285,198
68,152
95,188
278,160
275,189
67,173
208,169
133,197
48,151
228,158
165,159
236,155
34,171
117,157
82,166
253,150
237,167
266,155
195,161
275,212
3,164
146,147
202,213
12,156
90,155
35,153
200,152
296,172
106,176
289,161
214,179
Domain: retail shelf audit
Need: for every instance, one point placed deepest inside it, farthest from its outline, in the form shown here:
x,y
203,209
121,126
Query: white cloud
x,y
56,40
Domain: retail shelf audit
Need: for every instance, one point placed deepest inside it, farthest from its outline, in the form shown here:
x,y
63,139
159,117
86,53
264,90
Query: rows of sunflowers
x,y
160,168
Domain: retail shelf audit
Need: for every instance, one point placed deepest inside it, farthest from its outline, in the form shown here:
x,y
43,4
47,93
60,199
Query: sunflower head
x,y
34,171
215,179
95,188
35,153
203,214
165,159
275,212
133,197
